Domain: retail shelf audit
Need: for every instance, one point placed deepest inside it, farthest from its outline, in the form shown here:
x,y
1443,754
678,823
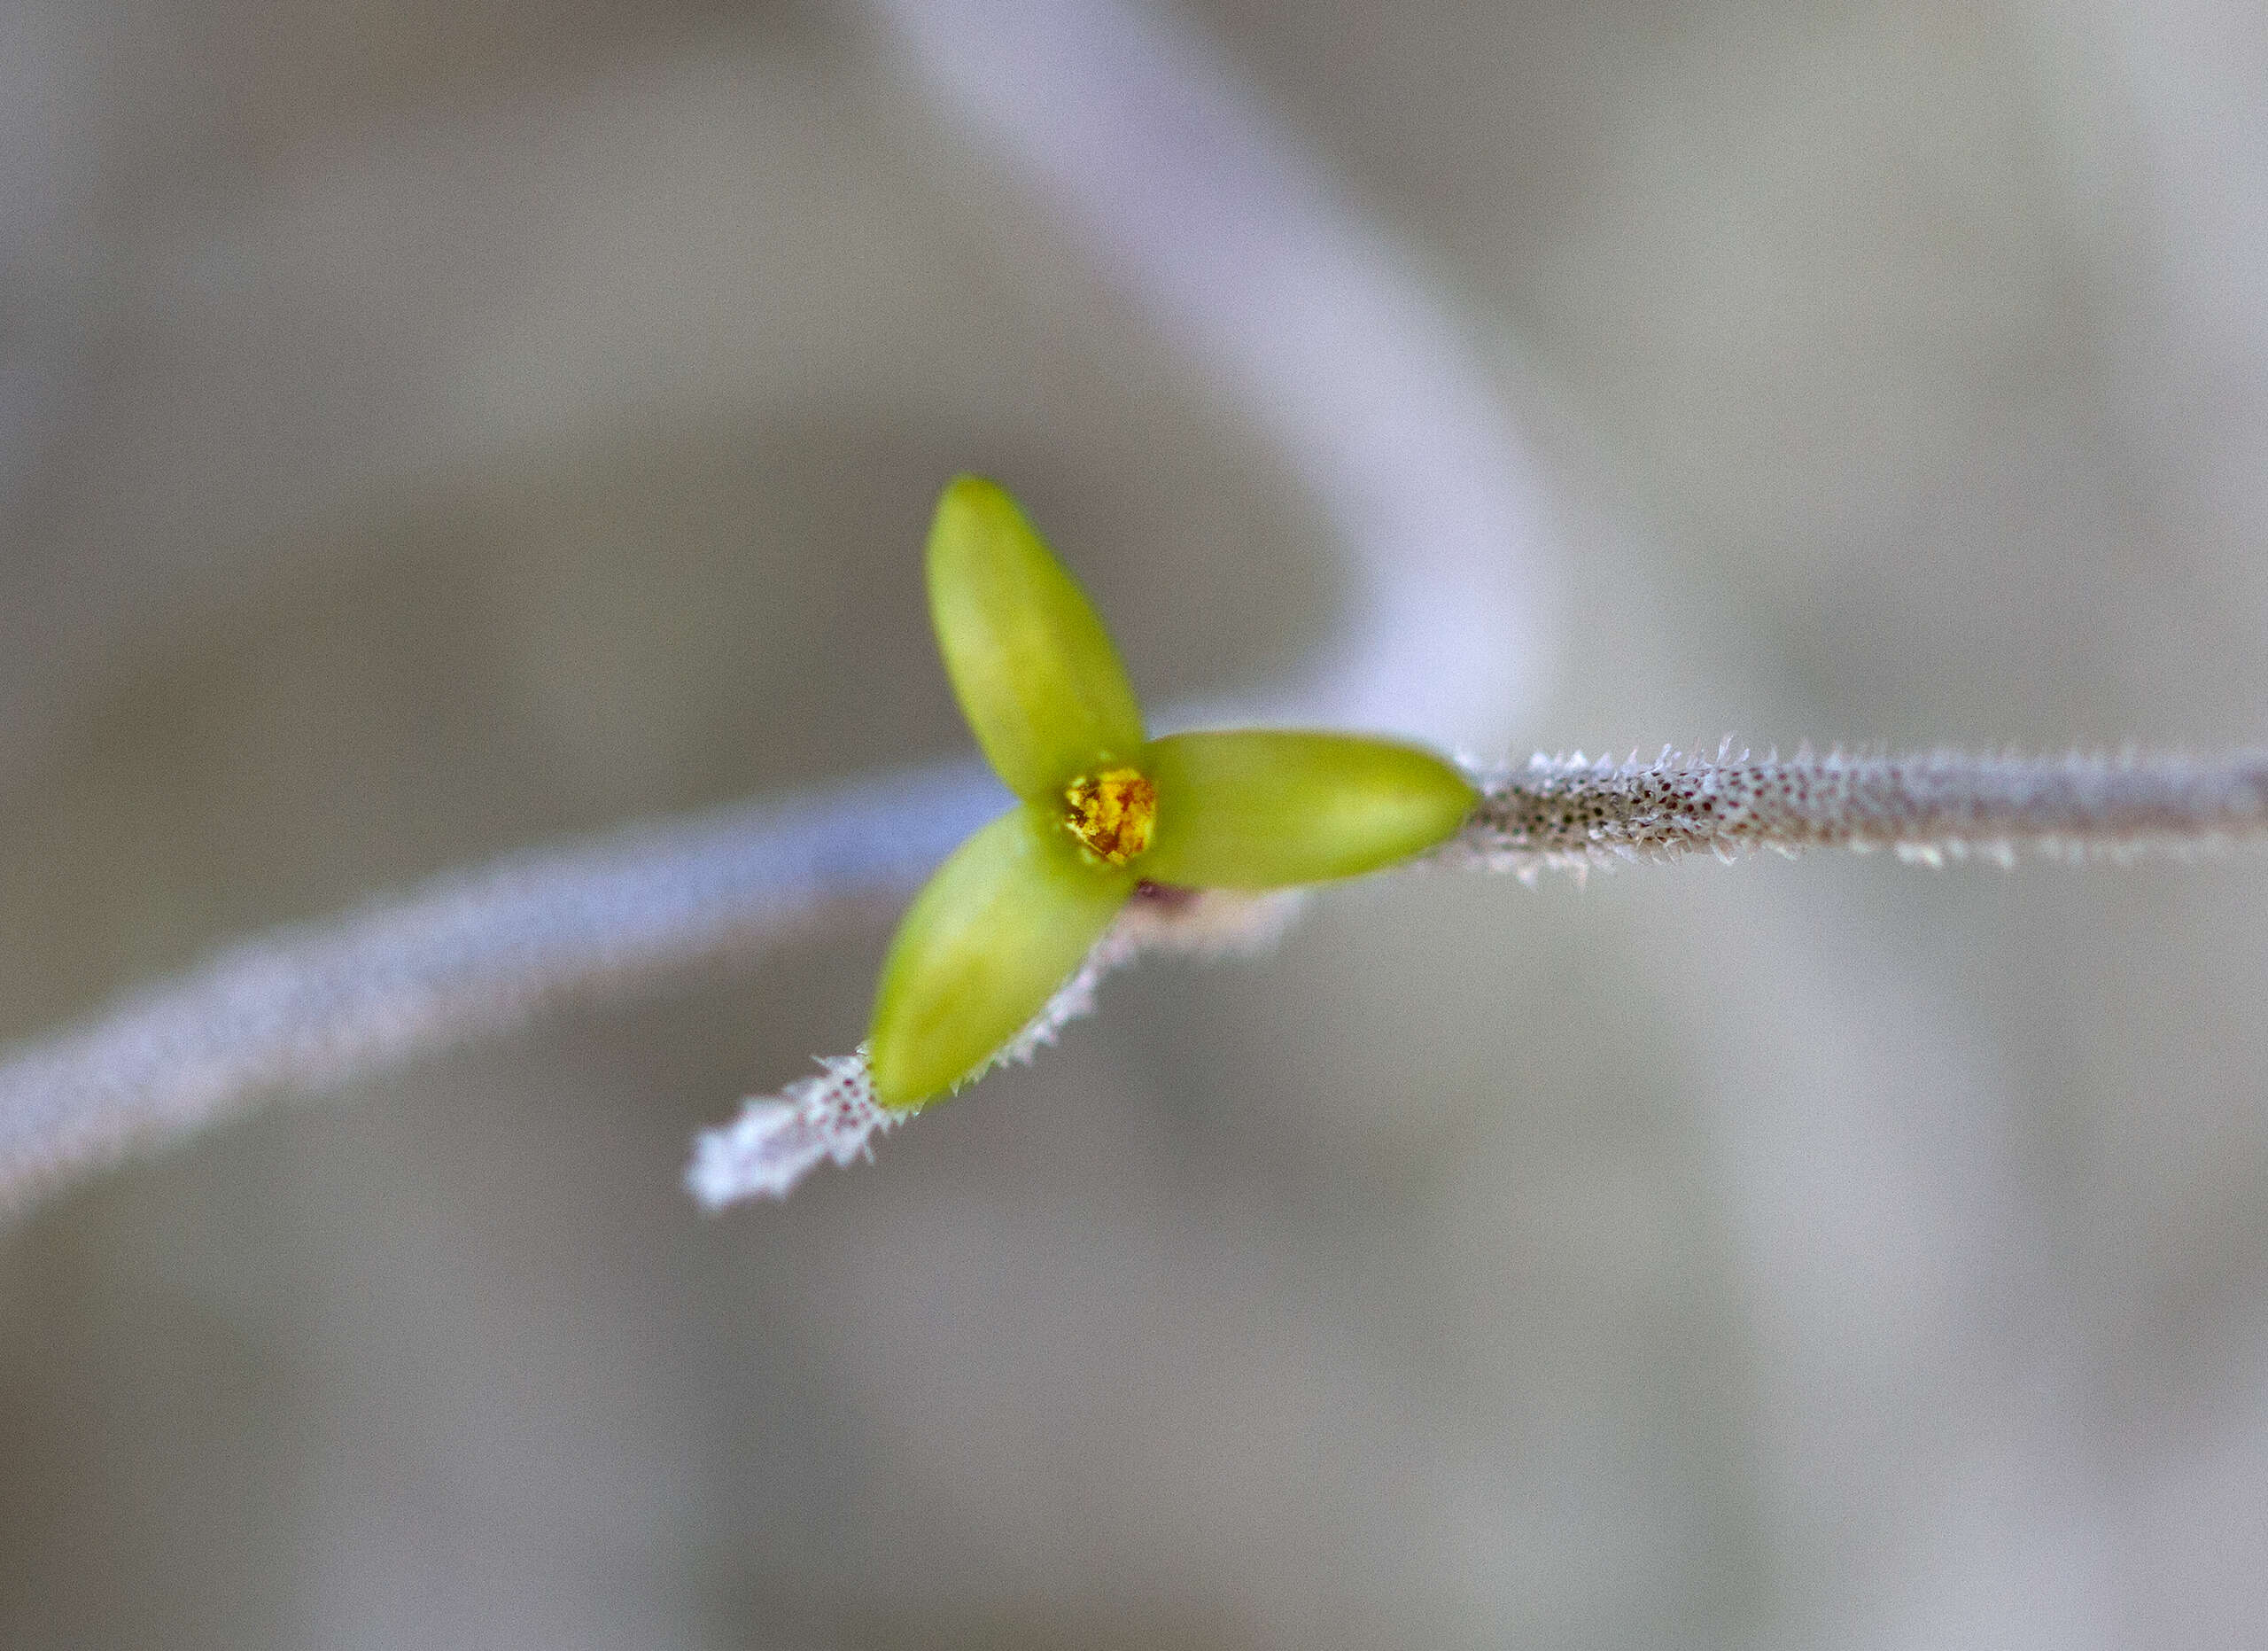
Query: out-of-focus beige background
x,y
431,429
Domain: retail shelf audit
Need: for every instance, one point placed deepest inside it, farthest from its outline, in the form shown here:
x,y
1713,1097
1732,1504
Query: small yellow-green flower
x,y
1103,806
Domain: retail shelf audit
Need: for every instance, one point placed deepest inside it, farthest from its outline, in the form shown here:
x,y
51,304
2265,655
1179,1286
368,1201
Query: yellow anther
x,y
1113,812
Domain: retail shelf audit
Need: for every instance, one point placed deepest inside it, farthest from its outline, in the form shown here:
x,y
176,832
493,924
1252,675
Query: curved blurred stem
x,y
1310,320
1333,344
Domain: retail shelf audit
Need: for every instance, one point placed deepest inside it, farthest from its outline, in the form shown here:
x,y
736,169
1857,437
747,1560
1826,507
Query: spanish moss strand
x,y
1568,813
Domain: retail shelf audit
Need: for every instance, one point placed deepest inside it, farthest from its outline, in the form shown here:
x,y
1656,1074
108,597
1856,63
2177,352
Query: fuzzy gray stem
x,y
1565,812
471,953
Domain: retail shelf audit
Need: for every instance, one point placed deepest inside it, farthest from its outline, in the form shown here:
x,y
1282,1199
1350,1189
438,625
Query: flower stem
x,y
1569,813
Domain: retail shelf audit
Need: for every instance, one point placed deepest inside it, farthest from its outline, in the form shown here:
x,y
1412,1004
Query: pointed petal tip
x,y
970,494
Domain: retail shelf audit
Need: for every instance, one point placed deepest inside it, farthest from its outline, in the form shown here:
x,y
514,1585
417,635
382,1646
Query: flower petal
x,y
1037,674
1260,810
1003,924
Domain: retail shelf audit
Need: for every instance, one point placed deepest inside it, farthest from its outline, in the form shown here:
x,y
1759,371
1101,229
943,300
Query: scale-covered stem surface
x,y
1570,812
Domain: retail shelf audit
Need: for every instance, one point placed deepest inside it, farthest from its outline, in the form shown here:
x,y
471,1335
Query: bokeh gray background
x,y
431,429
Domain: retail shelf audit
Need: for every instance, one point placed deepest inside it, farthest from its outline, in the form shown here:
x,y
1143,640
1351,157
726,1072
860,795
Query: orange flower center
x,y
1114,813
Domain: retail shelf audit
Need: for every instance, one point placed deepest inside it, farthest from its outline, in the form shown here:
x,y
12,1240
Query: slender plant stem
x,y
473,954
1567,812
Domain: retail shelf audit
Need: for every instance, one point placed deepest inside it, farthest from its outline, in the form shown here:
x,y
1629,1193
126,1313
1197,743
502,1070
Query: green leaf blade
x,y
1036,673
1263,809
986,943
